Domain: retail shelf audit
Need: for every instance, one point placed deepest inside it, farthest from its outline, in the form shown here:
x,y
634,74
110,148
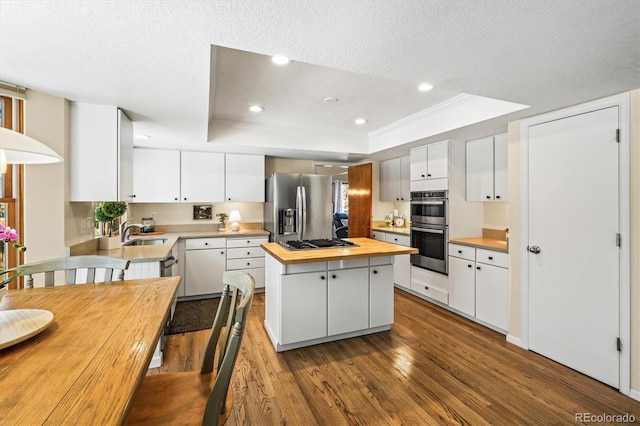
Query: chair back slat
x,y
91,275
48,278
71,276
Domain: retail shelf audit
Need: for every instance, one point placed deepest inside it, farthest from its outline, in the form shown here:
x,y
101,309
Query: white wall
x,y
44,185
182,213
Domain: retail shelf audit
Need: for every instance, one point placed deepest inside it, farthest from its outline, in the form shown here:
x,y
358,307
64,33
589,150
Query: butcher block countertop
x,y
367,247
482,242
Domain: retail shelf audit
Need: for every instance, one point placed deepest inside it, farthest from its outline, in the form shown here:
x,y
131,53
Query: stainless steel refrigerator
x,y
298,207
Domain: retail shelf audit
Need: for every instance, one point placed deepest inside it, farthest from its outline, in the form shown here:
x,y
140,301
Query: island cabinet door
x,y
381,295
303,307
348,304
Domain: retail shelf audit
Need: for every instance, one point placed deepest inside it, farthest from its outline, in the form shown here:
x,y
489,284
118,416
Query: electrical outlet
x,y
90,224
153,215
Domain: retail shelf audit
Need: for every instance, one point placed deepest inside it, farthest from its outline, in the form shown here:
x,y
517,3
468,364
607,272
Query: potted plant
x,y
222,219
107,215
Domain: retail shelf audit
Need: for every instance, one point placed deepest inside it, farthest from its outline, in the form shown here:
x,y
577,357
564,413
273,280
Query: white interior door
x,y
573,210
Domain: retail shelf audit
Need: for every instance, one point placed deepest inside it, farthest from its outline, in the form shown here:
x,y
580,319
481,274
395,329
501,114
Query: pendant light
x,y
16,148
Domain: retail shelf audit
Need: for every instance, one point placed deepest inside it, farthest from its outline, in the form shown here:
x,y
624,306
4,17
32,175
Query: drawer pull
x,y
333,276
478,268
460,251
469,266
490,257
248,253
248,263
375,272
426,288
322,277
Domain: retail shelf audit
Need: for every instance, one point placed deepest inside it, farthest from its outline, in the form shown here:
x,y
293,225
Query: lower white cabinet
x,y
315,302
303,305
348,300
205,263
402,263
479,284
380,293
246,255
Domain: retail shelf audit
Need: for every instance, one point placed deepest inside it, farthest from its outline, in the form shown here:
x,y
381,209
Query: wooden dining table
x,y
86,367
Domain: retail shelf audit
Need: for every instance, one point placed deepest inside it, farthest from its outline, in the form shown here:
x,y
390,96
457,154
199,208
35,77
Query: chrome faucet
x,y
124,228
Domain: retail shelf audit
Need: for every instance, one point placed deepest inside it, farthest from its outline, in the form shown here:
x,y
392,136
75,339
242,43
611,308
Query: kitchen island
x,y
322,295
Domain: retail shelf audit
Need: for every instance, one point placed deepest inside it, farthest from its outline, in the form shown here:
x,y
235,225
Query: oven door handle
x,y
429,230
429,203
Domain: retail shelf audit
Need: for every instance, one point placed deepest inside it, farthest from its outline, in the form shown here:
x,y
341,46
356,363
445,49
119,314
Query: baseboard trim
x,y
635,394
515,341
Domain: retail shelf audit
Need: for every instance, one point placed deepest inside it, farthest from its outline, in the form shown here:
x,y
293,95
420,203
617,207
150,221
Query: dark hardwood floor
x,y
433,367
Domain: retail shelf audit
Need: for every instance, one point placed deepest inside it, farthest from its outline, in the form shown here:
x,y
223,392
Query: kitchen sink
x,y
145,242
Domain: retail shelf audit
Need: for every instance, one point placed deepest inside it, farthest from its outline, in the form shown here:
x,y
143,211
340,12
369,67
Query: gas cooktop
x,y
316,244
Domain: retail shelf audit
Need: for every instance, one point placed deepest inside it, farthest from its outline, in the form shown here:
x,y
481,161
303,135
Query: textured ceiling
x,y
153,59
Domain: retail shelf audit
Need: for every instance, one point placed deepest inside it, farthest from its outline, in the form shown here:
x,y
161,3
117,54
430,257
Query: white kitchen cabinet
x,y
347,300
479,284
100,153
201,177
402,263
246,255
394,179
244,178
156,177
205,264
486,168
380,292
462,285
429,167
303,306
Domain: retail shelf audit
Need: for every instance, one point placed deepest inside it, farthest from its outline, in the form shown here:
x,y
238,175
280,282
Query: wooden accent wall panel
x,y
360,201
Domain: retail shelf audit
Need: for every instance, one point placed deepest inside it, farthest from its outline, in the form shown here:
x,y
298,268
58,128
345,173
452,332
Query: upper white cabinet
x,y
244,178
487,168
100,153
429,169
156,175
202,177
394,179
194,177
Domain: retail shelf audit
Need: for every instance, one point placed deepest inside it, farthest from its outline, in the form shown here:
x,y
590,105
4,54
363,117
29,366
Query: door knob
x,y
534,249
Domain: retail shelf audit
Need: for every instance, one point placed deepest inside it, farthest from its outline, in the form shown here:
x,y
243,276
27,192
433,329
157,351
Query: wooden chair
x,y
71,265
200,397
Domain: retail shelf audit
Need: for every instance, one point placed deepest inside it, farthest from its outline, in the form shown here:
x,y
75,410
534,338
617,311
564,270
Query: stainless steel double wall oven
x,y
430,229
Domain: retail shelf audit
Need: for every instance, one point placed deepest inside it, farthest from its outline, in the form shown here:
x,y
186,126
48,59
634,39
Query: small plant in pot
x,y
107,214
222,219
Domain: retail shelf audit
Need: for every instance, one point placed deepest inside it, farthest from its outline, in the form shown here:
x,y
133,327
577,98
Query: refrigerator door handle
x,y
304,212
299,210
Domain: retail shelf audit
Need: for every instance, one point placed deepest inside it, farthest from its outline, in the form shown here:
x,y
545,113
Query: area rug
x,y
193,315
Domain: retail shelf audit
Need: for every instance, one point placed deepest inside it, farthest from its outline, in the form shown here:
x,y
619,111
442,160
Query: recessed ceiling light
x,y
360,121
425,87
280,60
256,108
143,137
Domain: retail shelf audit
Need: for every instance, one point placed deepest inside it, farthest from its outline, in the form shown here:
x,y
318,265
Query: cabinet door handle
x,y
426,288
469,266
185,198
488,197
460,251
490,257
497,197
322,277
175,198
206,244
428,174
333,276
221,252
375,272
422,175
478,268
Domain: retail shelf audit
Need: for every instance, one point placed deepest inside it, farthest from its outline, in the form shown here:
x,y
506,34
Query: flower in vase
x,y
9,235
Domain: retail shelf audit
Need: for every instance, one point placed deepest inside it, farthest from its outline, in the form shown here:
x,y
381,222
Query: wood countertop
x,y
159,252
393,230
367,247
482,242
